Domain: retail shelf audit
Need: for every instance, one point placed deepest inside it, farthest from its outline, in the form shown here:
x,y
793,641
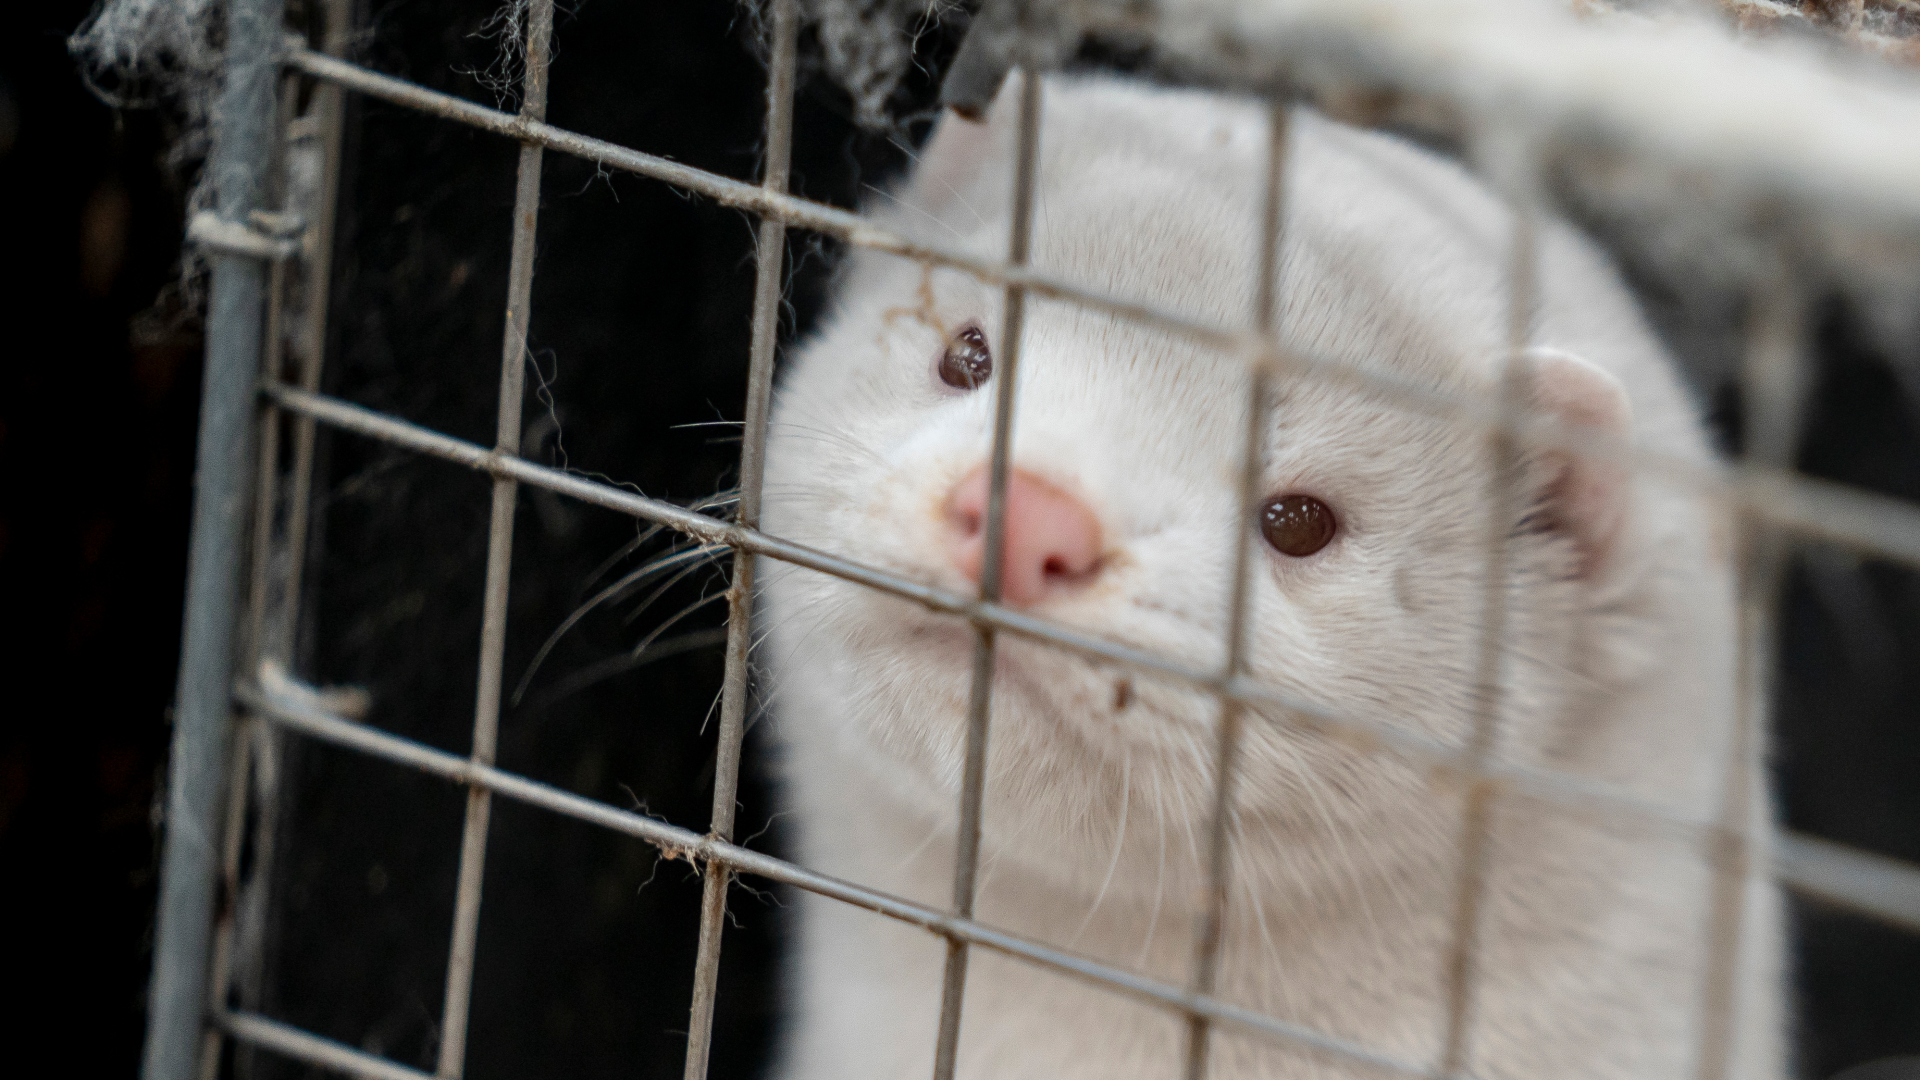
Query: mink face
x,y
1122,500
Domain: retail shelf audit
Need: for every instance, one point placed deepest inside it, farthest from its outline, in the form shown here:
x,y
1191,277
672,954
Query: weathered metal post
x,y
203,721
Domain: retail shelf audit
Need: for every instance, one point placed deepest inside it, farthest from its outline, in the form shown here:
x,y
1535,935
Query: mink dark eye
x,y
967,362
1297,525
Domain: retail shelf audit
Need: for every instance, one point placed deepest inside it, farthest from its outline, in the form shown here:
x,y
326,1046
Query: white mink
x,y
1619,663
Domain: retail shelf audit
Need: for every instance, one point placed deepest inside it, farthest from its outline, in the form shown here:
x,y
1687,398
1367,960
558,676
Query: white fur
x,y
1618,668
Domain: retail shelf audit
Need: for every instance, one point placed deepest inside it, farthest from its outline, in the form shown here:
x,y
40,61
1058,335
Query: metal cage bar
x,y
198,761
1212,923
769,281
1503,453
328,114
973,781
1764,491
249,730
323,123
1772,384
272,619
291,1042
493,624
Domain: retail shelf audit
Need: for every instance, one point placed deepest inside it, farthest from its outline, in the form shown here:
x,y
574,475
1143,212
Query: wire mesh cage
x,y
1842,148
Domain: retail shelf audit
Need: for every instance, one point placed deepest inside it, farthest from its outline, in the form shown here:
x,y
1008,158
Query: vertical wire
x,y
279,640
769,280
1504,472
276,639
328,108
273,358
249,729
220,969
493,625
199,764
1772,377
973,781
1212,925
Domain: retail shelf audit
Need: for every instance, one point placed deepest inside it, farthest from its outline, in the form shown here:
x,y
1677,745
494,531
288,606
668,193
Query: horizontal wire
x,y
1874,524
289,1041
678,843
1885,899
1859,881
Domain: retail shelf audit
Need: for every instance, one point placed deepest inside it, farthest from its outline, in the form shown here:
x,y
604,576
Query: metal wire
x,y
1212,923
1503,495
253,776
769,279
493,623
248,732
1773,386
1857,881
199,761
299,1045
327,119
973,781
220,965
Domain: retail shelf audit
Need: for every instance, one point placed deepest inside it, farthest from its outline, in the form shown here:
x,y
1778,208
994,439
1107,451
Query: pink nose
x,y
1052,540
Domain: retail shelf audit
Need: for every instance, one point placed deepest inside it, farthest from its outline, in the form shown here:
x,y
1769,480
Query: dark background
x,y
640,316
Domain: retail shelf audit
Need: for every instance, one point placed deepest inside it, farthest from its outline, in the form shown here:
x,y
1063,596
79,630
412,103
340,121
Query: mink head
x,y
1369,547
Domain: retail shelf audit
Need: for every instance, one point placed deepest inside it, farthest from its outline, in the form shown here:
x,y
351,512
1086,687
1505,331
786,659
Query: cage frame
x,y
225,704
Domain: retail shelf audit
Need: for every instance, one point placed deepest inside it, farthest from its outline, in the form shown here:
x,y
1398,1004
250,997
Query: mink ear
x,y
1586,496
963,152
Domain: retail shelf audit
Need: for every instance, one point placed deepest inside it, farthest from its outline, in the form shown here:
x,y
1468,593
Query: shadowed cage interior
x,y
402,450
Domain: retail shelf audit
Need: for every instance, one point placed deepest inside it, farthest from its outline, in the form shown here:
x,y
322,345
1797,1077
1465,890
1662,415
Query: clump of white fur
x,y
867,46
1618,663
137,41
148,53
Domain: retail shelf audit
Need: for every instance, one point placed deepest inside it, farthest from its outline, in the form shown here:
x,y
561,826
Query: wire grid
x,y
1770,503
